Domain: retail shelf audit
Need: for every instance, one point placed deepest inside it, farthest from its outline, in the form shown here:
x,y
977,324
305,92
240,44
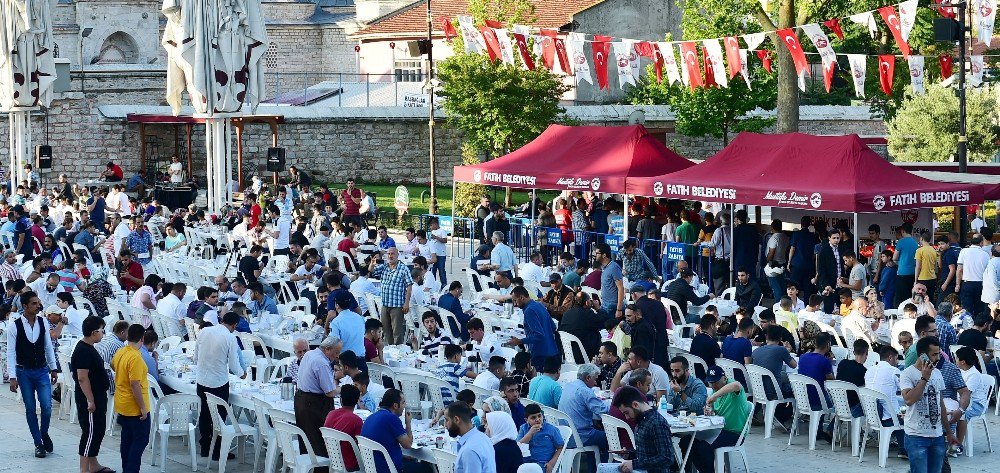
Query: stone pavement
x,y
771,455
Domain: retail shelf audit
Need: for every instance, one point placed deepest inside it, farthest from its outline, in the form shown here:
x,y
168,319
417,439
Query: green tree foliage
x,y
925,127
467,195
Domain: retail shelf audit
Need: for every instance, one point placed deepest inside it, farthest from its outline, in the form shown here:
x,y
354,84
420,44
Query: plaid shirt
x,y
654,447
394,284
635,265
9,272
947,334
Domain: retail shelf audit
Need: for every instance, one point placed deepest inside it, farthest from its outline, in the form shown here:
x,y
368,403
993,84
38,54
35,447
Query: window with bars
x,y
409,70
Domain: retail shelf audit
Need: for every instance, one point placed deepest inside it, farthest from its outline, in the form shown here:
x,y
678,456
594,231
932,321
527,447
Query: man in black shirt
x,y
653,310
975,338
705,345
249,265
853,371
643,333
767,320
680,291
91,392
747,292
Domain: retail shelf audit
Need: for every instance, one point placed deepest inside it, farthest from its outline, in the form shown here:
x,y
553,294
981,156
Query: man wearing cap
x,y
559,299
653,310
729,401
680,291
347,325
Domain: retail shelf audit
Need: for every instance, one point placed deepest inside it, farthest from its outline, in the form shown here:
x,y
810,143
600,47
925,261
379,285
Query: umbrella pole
x,y
857,237
210,167
20,143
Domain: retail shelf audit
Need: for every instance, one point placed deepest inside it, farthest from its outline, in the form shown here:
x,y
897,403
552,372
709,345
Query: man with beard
x,y
475,450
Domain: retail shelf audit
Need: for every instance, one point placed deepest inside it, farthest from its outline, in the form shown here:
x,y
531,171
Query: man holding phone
x,y
921,385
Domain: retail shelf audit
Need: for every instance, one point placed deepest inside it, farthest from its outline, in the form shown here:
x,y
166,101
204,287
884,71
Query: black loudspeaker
x,y
946,29
275,159
43,157
418,48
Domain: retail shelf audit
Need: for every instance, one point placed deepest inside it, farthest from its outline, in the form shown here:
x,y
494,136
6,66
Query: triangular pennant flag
x,y
886,67
449,29
713,62
828,69
766,57
976,67
581,69
494,24
709,71
633,58
492,42
916,64
472,38
821,42
946,62
791,41
907,17
833,24
601,49
658,64
733,55
745,68
521,38
753,40
563,55
985,14
888,13
506,47
669,60
546,41
947,12
689,53
622,52
867,20
859,69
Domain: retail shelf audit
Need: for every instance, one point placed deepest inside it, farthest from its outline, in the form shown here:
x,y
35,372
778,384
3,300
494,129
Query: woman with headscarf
x,y
500,428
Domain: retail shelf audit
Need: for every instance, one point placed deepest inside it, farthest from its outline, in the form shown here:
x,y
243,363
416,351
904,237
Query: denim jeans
x,y
135,438
439,271
36,384
926,453
777,286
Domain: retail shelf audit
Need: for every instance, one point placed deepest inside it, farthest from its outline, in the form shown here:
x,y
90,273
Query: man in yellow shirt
x,y
132,399
927,264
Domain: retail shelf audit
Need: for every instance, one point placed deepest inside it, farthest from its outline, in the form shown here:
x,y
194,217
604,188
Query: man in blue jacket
x,y
539,331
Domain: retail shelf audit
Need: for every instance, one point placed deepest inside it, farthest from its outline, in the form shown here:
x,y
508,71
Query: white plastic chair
x,y
66,385
842,408
289,438
368,450
869,402
731,367
800,389
573,351
444,460
561,419
227,430
969,444
757,377
562,460
694,361
380,373
267,435
335,440
722,453
613,427
173,419
729,294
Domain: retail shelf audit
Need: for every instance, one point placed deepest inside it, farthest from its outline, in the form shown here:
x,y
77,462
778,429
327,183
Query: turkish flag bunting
x,y
709,69
689,53
833,24
791,41
649,50
495,24
733,55
765,56
492,42
947,12
522,47
946,61
601,47
548,55
828,69
449,29
886,66
888,13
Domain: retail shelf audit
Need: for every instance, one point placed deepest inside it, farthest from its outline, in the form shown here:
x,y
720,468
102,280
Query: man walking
x,y
217,355
397,286
132,399
31,365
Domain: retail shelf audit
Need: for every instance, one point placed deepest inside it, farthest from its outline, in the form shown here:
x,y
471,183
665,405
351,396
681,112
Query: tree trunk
x,y
787,81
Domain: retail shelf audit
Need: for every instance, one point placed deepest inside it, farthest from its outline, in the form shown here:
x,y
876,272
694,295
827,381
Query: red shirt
x,y
255,212
346,421
350,207
117,171
38,233
346,244
134,270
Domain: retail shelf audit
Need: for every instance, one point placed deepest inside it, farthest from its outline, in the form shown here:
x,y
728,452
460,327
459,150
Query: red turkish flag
x,y
449,29
733,58
886,66
946,62
563,56
891,18
828,70
646,50
689,53
548,52
522,47
947,12
791,41
494,24
709,69
765,56
492,42
601,47
560,50
834,25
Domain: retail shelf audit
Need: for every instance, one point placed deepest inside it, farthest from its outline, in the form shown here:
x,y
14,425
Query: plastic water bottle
x,y
663,403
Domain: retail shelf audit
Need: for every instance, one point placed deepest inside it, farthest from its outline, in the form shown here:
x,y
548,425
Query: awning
x,y
990,183
833,173
579,158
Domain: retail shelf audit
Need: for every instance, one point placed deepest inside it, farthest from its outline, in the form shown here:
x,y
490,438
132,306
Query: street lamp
x,y
83,34
433,208
950,30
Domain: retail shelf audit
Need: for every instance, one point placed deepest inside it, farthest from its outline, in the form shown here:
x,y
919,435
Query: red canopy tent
x,y
580,158
795,170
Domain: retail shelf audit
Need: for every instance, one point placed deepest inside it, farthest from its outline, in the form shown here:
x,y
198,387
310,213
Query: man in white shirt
x,y
112,203
438,238
121,231
282,230
532,270
972,263
217,356
241,232
884,378
362,286
483,345
47,288
172,306
176,170
977,223
490,378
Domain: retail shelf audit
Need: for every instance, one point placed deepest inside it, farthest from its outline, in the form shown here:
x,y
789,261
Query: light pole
x,y
963,140
83,34
433,208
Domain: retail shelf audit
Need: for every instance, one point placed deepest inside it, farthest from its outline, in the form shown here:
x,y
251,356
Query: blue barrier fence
x,y
524,238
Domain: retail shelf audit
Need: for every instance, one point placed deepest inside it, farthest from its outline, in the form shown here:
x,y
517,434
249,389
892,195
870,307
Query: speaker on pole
x,y
43,157
275,159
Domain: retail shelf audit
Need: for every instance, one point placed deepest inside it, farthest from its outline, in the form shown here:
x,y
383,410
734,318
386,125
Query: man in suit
x,y
829,270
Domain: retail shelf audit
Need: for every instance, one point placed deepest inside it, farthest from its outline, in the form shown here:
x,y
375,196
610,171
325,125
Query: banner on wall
x,y
921,219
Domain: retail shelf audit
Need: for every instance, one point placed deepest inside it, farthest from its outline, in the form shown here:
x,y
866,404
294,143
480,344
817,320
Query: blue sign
x,y
554,238
447,224
675,251
617,225
615,242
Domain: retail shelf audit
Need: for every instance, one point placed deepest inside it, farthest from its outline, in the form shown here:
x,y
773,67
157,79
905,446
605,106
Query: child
x,y
968,362
543,438
845,302
788,318
369,398
452,370
490,379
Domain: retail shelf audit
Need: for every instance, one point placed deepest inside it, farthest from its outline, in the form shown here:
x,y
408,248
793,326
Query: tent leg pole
x,y
732,235
857,235
625,228
531,234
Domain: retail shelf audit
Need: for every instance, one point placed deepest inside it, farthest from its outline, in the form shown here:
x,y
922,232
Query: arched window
x,y
271,56
119,48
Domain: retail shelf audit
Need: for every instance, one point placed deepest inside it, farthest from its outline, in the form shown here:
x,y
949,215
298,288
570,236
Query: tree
x,y
926,126
716,112
499,107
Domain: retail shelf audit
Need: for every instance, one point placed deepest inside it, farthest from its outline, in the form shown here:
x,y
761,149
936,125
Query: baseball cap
x,y
555,277
714,374
53,310
19,209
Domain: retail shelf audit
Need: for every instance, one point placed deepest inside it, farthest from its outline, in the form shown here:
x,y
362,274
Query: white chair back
x,y
444,460
289,438
614,427
800,389
839,393
176,411
369,448
335,441
870,400
573,351
900,326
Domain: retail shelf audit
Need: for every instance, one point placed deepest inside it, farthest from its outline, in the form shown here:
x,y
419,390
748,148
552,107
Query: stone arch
x,y
118,48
